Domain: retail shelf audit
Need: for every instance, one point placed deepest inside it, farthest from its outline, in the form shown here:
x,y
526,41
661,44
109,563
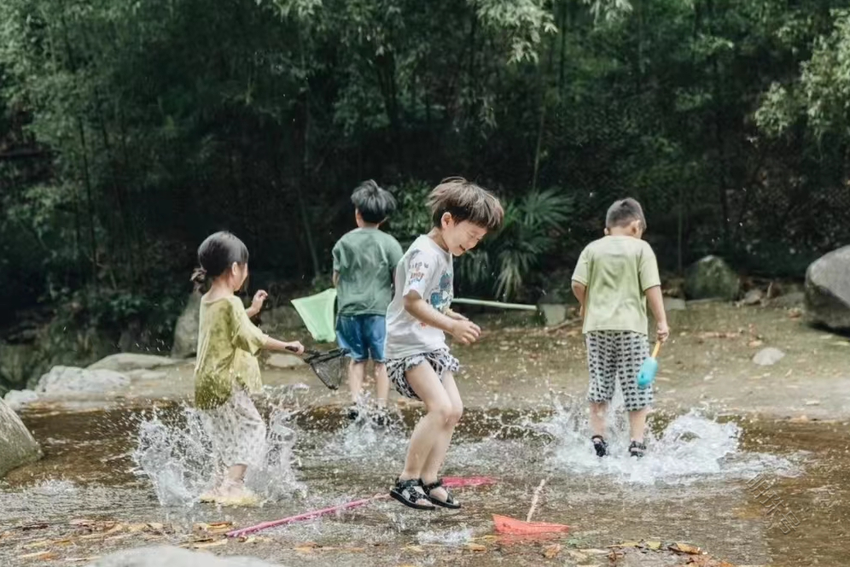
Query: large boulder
x,y
126,361
828,289
711,278
16,399
17,446
186,329
165,555
63,380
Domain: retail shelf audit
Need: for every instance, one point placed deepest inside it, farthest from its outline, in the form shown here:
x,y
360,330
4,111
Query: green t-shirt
x,y
227,344
365,259
617,271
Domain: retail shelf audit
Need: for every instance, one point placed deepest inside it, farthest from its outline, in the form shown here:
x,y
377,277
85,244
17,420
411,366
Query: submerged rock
x,y
17,445
164,555
711,278
71,380
279,360
828,289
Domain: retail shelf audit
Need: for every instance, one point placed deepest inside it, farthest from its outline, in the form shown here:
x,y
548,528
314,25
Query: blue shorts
x,y
363,336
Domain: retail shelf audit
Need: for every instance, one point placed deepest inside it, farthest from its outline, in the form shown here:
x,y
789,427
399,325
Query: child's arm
x,y
336,278
656,305
455,315
274,344
580,291
463,330
257,304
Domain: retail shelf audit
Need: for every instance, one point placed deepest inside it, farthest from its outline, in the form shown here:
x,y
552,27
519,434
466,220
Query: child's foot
x,y
410,493
237,495
352,412
439,495
210,496
637,449
599,445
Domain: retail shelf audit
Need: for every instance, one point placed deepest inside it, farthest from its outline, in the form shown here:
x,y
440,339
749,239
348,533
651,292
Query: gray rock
x,y
828,289
169,556
282,318
553,313
753,297
71,380
280,360
768,356
146,374
186,329
17,446
674,304
126,361
794,299
710,278
16,399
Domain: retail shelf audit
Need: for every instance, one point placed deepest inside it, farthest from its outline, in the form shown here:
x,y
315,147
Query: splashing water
x,y
176,456
692,447
451,538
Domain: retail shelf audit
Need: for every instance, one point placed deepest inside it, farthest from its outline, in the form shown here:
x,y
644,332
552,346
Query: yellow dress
x,y
228,343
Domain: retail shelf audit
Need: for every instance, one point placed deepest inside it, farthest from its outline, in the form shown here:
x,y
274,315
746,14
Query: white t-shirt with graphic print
x,y
426,269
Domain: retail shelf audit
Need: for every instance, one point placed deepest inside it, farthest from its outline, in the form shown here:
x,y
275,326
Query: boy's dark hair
x,y
465,201
217,253
374,203
625,212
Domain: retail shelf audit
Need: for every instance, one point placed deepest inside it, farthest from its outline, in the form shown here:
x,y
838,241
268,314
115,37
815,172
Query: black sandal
x,y
637,449
599,445
449,501
405,491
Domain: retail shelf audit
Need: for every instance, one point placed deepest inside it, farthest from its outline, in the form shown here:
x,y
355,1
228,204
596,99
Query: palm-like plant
x,y
532,224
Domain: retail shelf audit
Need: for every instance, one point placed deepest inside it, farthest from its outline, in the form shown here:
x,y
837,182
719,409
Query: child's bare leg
x,y
637,424
382,384
598,410
356,373
426,385
434,462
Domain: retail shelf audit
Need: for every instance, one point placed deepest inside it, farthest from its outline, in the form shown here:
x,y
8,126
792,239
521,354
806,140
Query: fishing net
x,y
331,367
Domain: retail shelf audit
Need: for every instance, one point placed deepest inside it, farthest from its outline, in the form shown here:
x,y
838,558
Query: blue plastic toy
x,y
649,368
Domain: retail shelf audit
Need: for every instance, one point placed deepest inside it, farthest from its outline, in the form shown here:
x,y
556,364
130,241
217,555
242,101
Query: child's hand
x,y
663,332
465,331
259,298
295,347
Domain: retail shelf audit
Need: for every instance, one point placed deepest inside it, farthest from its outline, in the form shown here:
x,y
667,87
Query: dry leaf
x,y
41,555
304,549
475,547
552,551
577,555
627,544
206,544
414,549
653,545
685,548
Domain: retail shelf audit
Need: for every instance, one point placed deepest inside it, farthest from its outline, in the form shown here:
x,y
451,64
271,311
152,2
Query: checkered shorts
x,y
440,360
616,356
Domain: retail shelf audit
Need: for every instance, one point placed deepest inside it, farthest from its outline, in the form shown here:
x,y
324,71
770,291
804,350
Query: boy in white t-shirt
x,y
419,363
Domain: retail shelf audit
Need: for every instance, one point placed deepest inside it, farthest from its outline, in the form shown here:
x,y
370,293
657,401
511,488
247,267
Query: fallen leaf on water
x,y
40,543
475,547
591,551
754,344
213,527
685,548
627,544
206,544
414,549
799,419
552,551
812,402
653,545
42,555
29,527
577,555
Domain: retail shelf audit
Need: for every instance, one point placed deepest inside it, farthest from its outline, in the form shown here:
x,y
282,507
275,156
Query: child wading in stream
x,y
364,261
419,363
227,371
613,279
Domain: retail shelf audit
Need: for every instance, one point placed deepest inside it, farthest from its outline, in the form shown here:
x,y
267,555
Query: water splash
x,y
175,453
690,448
450,538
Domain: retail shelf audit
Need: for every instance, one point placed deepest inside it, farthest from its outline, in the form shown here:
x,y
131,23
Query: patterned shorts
x,y
237,430
616,356
440,360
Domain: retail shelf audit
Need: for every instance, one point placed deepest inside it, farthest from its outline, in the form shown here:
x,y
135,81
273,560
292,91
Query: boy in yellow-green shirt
x,y
613,279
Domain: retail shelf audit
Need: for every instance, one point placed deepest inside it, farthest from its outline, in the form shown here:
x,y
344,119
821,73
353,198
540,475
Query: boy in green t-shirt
x,y
364,261
613,279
